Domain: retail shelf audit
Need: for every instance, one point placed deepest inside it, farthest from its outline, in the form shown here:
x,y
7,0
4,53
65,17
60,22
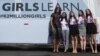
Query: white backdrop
x,y
15,31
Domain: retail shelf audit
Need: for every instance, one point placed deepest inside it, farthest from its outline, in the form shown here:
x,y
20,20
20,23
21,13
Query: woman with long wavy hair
x,y
56,28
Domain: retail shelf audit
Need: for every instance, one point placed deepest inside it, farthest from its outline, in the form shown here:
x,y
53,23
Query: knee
x,y
81,39
84,39
94,40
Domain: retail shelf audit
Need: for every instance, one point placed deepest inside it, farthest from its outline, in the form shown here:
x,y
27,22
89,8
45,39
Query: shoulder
x,y
95,18
60,16
52,14
77,17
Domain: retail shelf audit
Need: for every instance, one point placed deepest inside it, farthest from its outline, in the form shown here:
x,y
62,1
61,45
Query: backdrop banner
x,y
28,21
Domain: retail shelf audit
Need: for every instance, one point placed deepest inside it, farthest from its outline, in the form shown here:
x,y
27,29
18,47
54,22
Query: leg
x,y
54,41
95,43
75,44
59,39
84,43
63,35
58,44
54,45
81,42
67,40
91,44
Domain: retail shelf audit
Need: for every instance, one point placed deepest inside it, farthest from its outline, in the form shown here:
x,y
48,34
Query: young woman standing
x,y
73,26
82,29
91,29
56,28
65,30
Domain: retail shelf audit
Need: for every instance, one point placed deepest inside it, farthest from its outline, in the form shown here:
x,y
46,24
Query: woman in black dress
x,y
56,28
91,29
73,28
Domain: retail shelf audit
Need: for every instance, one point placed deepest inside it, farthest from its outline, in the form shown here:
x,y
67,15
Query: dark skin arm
x,y
52,23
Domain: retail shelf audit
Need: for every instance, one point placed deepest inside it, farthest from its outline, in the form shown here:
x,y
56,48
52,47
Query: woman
x,y
91,29
73,26
56,28
82,29
65,30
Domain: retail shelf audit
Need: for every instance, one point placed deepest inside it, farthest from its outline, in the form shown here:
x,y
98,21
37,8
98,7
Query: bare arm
x,y
51,23
95,21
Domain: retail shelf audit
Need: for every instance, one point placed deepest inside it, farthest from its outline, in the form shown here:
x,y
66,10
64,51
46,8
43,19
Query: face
x,y
58,9
63,14
72,14
87,11
80,13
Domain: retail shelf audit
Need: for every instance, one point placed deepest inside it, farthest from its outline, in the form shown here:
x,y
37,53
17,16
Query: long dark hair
x,y
55,11
90,13
82,13
65,17
70,16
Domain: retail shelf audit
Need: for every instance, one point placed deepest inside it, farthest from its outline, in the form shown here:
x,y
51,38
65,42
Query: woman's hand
x,y
53,29
97,31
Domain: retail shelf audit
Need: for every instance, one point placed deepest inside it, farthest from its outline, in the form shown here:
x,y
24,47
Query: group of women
x,y
81,26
